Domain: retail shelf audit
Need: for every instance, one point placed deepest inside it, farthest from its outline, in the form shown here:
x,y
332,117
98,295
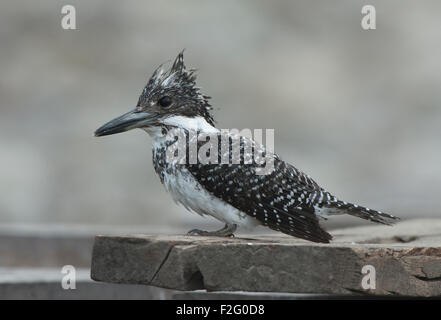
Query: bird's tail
x,y
365,213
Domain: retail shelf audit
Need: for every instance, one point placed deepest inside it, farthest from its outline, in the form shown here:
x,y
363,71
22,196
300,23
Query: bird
x,y
236,193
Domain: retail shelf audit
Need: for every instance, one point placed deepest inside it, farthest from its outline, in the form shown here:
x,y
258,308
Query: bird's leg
x,y
226,231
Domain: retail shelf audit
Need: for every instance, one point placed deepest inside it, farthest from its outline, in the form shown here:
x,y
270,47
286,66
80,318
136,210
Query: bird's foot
x,y
226,231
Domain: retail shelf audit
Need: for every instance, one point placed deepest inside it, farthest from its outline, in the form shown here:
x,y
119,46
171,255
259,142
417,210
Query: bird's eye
x,y
165,101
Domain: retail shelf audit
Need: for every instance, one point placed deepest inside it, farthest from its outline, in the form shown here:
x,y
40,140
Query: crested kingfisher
x,y
285,199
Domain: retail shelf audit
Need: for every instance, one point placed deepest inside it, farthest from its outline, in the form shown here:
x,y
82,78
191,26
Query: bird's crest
x,y
179,81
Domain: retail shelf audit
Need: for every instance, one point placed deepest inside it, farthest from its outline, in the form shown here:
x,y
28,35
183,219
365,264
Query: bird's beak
x,y
130,120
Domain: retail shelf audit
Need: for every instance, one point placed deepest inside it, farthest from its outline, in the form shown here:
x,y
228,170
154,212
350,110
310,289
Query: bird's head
x,y
169,93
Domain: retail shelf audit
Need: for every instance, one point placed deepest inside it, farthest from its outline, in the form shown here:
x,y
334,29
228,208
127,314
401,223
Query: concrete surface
x,y
45,283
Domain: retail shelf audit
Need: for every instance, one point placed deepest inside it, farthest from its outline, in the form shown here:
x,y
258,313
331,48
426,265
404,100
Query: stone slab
x,y
406,258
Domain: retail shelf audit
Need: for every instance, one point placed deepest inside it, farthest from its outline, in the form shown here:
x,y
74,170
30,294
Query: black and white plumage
x,y
286,199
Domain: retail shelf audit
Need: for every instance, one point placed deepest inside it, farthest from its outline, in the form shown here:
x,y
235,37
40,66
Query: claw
x,y
196,232
226,231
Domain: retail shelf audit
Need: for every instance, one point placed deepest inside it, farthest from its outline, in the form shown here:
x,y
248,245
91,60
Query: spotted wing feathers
x,y
278,200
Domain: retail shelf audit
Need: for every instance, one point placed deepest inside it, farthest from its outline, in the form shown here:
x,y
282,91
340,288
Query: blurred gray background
x,y
360,111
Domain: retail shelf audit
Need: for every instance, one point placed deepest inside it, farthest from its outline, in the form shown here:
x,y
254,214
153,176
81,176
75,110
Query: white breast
x,y
187,191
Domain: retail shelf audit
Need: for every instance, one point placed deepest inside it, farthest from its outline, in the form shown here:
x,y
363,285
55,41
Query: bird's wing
x,y
278,200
